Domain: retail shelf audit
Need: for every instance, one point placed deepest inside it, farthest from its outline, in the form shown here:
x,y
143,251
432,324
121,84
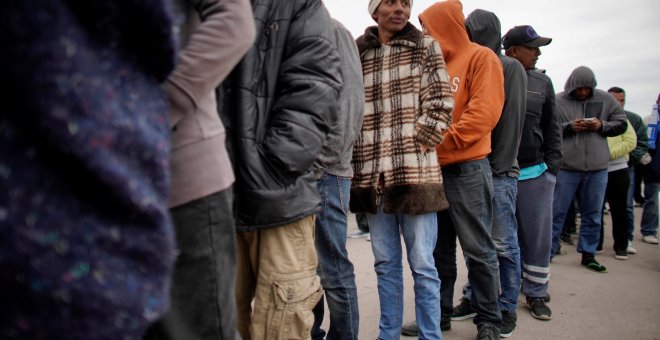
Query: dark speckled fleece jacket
x,y
86,244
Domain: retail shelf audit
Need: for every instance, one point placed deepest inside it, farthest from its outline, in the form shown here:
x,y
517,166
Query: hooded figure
x,y
477,82
484,29
472,69
587,151
587,116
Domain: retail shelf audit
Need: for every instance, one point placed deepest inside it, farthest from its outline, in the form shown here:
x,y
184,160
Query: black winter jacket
x,y
541,137
277,105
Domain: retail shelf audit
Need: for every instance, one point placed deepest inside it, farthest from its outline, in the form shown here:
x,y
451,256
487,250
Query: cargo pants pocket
x,y
290,313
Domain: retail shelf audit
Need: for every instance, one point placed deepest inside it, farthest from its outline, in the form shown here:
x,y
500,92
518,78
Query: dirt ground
x,y
621,304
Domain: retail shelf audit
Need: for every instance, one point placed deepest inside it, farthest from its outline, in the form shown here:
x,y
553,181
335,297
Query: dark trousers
x,y
638,192
616,195
202,293
469,190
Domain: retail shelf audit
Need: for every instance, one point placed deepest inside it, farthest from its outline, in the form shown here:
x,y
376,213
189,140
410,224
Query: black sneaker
x,y
463,311
546,298
445,324
508,324
538,308
566,239
488,332
411,328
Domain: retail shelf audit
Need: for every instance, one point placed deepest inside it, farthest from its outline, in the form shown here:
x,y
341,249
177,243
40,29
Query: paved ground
x,y
621,304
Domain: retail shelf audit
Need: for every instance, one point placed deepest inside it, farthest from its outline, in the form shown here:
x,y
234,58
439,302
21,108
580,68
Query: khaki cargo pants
x,y
276,267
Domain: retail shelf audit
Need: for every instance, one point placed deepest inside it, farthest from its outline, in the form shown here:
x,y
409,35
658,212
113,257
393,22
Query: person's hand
x,y
591,124
646,159
579,125
594,125
424,148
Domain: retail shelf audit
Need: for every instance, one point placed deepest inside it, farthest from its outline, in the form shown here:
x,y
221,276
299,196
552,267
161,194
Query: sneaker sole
x,y
506,335
463,317
406,333
541,317
619,257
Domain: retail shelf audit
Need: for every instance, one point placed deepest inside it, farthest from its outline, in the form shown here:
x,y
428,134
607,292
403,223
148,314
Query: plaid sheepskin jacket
x,y
408,103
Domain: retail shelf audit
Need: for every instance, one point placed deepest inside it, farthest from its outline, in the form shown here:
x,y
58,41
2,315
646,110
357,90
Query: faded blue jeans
x,y
469,190
420,233
505,238
335,268
589,188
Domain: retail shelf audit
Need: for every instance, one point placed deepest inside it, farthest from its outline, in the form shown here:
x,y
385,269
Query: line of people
x,y
214,148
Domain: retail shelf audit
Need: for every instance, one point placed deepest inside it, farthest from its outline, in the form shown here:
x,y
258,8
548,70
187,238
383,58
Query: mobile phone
x,y
589,119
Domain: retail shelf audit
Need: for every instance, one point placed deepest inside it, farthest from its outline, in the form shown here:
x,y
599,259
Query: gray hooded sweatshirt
x,y
587,151
484,29
337,152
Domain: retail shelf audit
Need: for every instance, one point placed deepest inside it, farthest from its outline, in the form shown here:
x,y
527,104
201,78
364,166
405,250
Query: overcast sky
x,y
618,40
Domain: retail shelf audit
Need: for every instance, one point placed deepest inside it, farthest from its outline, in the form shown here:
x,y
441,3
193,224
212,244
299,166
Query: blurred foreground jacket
x,y
86,243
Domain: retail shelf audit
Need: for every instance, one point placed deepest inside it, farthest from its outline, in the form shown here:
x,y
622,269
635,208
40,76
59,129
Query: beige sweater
x,y
211,48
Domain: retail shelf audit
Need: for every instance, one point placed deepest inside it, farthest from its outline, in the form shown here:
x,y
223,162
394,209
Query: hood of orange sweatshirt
x,y
446,23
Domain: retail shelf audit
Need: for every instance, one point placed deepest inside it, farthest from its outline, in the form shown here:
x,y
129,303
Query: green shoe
x,y
592,264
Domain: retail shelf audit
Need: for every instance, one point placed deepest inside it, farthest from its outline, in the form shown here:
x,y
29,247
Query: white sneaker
x,y
651,239
631,249
358,234
369,237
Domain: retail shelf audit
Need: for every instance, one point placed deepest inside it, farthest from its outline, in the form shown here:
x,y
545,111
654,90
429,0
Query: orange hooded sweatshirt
x,y
477,82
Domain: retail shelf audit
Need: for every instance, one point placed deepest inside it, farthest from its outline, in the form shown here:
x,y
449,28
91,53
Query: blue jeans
x,y
335,268
649,223
505,238
420,233
589,189
630,203
469,190
202,292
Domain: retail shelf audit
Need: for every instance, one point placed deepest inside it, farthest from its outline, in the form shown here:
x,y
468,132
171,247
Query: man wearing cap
x,y
587,116
397,179
539,157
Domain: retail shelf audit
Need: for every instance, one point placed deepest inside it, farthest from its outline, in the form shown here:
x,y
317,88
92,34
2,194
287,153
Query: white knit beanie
x,y
373,5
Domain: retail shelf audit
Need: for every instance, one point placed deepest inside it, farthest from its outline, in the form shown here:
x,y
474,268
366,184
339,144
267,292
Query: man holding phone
x,y
587,116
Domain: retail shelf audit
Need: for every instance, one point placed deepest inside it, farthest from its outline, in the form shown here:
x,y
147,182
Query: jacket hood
x,y
370,37
485,29
580,77
445,22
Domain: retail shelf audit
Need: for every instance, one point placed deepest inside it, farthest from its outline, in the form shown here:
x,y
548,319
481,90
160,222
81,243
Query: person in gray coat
x,y
333,170
587,116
